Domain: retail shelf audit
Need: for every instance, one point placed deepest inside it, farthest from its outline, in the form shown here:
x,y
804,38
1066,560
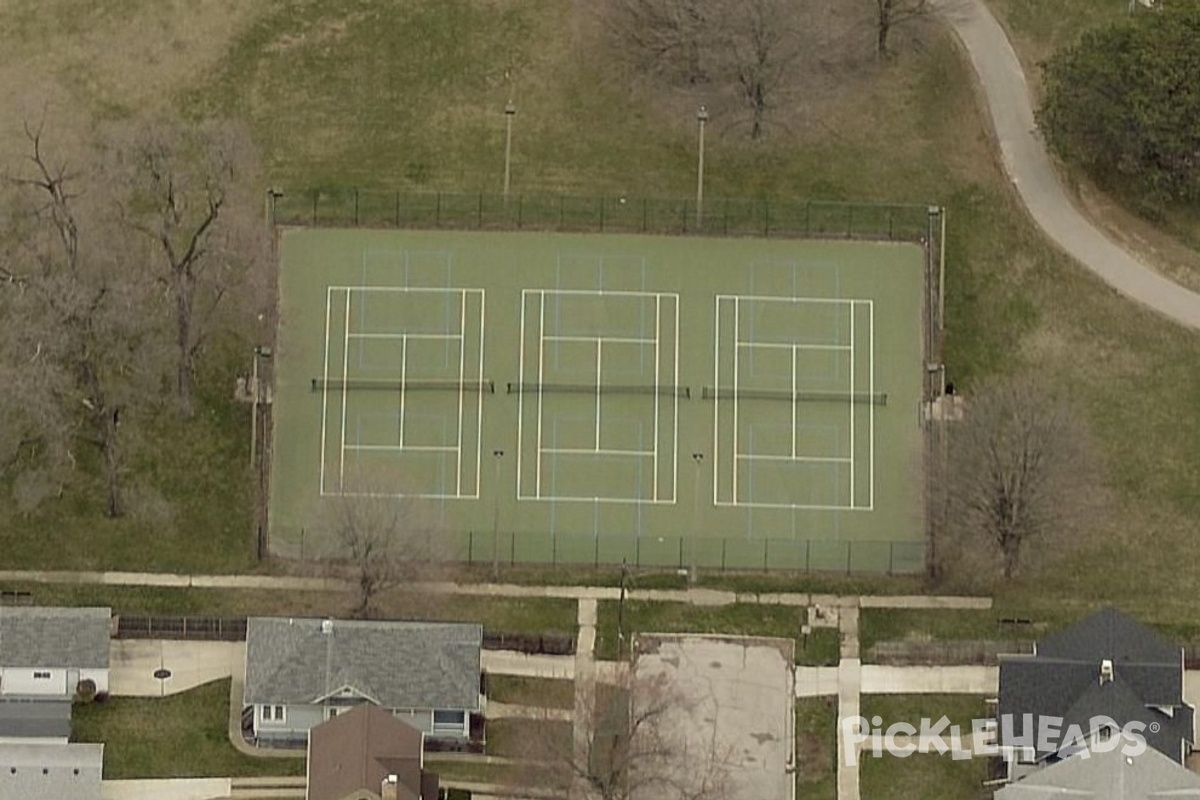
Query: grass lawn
x,y
500,614
181,736
922,776
539,692
525,738
749,619
816,748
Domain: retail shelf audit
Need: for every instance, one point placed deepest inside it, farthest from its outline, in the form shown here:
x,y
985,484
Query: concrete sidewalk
x,y
167,789
880,679
506,662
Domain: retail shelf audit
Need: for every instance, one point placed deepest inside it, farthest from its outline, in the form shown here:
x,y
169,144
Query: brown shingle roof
x,y
356,750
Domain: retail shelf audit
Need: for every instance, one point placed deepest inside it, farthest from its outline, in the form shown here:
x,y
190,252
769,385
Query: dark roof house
x,y
392,664
32,636
368,753
1108,775
1107,665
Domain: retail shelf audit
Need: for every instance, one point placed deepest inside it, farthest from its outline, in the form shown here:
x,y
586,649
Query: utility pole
x,y
510,111
702,118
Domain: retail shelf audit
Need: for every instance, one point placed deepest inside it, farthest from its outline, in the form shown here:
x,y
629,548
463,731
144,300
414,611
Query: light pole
x,y
702,118
255,399
510,111
698,460
496,456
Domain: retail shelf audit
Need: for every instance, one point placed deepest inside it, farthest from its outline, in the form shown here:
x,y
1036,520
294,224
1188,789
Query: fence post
x,y
637,552
766,553
356,207
849,220
479,213
808,555
645,213
561,200
725,218
723,543
849,556
683,218
807,215
185,619
316,194
681,554
553,549
766,217
889,217
512,548
602,213
471,547
437,218
891,557
397,209
520,209
596,557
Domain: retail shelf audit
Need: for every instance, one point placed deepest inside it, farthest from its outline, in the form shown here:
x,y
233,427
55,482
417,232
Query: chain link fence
x,y
682,552
369,208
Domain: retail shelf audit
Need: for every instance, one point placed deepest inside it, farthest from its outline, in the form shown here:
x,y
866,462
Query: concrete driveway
x,y
133,662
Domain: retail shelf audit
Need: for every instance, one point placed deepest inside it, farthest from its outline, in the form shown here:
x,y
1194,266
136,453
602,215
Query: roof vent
x,y
1106,671
327,627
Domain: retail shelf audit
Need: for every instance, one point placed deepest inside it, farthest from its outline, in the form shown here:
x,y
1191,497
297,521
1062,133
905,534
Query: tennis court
x,y
592,398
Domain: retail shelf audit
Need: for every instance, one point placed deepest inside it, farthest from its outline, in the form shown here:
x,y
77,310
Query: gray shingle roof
x,y
1063,680
51,771
396,664
1108,776
39,718
32,636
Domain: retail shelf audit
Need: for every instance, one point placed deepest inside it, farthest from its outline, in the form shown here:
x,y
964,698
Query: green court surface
x,y
718,403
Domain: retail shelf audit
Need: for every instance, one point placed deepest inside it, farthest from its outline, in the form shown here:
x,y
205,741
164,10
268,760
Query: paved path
x,y
498,710
169,789
849,678
585,679
1030,169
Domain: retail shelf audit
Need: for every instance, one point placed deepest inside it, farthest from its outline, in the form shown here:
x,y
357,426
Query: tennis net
x,y
367,384
661,390
723,393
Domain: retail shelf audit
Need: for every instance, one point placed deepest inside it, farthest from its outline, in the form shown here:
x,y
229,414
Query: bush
x,y
1122,104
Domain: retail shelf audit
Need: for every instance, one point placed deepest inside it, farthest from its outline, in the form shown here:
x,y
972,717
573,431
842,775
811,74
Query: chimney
x,y
326,626
1106,671
390,788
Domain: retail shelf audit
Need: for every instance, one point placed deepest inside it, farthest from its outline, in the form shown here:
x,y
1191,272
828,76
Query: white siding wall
x,y
21,681
97,676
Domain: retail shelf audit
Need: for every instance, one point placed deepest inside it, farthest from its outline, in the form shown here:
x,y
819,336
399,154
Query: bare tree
x,y
1016,473
891,13
760,46
634,749
80,320
385,540
665,37
189,192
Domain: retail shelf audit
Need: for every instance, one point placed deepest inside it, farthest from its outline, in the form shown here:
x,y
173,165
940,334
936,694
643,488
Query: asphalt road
x,y
1030,169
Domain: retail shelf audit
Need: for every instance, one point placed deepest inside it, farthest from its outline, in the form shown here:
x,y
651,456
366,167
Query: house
x,y
368,753
1101,674
25,720
51,652
51,771
301,672
1108,775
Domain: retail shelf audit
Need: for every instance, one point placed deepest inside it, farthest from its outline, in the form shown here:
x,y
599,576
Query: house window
x,y
333,712
41,676
449,721
270,713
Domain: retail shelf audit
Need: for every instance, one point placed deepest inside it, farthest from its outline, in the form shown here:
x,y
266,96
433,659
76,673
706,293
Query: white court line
x,y
412,448
479,400
871,411
579,451
437,337
657,348
737,304
403,382
716,444
345,382
852,404
791,346
462,398
791,300
795,366
520,399
801,507
537,486
325,390
599,376
406,289
821,459
675,445
599,293
611,339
